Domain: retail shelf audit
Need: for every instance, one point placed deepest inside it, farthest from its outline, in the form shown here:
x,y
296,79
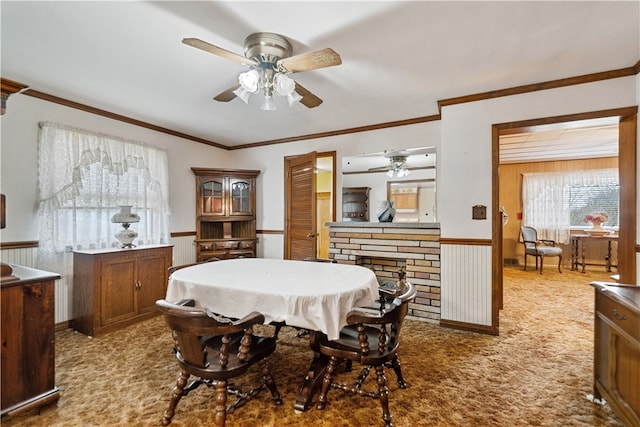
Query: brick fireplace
x,y
387,247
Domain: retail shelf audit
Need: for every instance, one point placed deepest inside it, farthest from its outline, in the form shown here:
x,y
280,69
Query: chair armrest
x,y
546,242
356,316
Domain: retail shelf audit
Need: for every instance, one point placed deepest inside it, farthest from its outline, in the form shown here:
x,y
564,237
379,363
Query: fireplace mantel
x,y
354,224
388,246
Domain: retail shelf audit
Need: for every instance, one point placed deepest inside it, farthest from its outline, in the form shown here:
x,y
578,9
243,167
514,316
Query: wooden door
x,y
300,206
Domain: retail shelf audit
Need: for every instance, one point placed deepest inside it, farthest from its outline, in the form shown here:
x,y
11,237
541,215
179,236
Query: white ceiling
x,y
399,58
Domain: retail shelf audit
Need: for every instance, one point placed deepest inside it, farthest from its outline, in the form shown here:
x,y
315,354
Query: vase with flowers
x,y
596,221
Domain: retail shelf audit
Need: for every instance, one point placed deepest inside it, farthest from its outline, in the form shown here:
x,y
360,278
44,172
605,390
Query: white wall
x,y
466,146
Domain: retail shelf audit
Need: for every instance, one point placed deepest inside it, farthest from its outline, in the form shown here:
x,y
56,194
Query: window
x,y
83,179
553,203
589,199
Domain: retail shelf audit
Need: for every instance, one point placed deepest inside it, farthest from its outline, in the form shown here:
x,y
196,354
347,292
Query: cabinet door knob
x,y
311,234
618,315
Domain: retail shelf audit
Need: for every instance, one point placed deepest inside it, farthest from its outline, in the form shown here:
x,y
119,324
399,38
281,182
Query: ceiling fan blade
x,y
309,100
310,61
208,47
380,169
228,94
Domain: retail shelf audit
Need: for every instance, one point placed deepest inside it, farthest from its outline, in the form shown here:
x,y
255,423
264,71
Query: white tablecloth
x,y
310,295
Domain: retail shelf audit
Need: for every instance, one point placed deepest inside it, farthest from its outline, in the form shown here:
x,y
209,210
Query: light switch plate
x,y
479,212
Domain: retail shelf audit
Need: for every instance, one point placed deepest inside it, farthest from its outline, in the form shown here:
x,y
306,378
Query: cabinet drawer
x,y
226,245
242,253
247,244
619,315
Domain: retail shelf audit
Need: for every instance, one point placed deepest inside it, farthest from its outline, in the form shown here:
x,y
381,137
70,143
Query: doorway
x,y
310,202
626,119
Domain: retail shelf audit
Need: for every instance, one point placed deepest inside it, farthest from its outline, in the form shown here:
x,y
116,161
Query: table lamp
x,y
126,217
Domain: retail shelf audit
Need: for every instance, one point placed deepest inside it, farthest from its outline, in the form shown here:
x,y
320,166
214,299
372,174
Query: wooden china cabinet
x,y
225,213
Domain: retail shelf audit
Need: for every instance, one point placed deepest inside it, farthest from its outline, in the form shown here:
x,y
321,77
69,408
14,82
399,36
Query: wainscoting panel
x,y
270,246
466,283
184,250
27,257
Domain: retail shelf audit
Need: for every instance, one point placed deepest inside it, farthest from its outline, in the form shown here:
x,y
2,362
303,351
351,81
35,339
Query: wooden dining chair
x,y
539,248
215,349
372,340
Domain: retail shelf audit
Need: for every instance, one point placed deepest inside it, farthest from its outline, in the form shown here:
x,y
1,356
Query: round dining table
x,y
311,295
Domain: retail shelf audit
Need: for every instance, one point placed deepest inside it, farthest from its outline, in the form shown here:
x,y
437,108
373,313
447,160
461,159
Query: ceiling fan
x,y
397,165
268,55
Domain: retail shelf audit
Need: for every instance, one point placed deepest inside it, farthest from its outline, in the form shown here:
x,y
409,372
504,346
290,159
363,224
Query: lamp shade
x,y
125,216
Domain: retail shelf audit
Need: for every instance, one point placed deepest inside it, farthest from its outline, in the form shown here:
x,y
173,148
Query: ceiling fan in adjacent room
x,y
268,56
397,165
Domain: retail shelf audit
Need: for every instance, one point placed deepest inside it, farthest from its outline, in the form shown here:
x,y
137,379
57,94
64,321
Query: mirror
x,y
402,175
415,200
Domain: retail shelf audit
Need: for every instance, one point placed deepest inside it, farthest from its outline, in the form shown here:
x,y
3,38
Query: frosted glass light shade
x,y
125,215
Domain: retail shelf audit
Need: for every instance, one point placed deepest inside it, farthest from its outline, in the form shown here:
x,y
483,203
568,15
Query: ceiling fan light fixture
x,y
242,94
293,98
268,104
249,81
390,173
283,85
402,172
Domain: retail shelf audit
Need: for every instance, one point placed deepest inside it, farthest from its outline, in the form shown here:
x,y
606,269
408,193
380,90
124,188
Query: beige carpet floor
x,y
538,372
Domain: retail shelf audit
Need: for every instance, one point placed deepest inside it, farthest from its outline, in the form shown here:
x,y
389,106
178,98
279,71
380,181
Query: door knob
x,y
311,234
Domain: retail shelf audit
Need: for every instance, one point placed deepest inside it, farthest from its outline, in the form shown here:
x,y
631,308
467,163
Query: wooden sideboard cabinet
x,y
113,288
28,340
617,349
225,213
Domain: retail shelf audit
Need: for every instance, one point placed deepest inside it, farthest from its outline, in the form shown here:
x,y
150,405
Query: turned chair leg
x,y
541,263
221,403
176,395
326,383
384,395
395,364
269,382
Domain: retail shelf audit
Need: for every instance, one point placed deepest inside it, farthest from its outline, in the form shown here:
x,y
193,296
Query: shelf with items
x,y
355,204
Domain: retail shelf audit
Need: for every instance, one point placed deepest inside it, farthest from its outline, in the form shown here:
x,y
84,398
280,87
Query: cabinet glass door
x,y
240,197
212,197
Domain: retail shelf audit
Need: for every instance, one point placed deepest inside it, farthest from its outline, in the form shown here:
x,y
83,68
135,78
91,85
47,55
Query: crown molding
x,y
570,81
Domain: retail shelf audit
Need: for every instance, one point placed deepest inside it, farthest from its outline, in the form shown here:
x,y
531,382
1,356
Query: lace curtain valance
x,y
83,178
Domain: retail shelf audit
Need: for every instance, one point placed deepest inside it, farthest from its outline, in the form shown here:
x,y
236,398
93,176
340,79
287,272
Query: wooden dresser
x,y
28,340
617,349
113,288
